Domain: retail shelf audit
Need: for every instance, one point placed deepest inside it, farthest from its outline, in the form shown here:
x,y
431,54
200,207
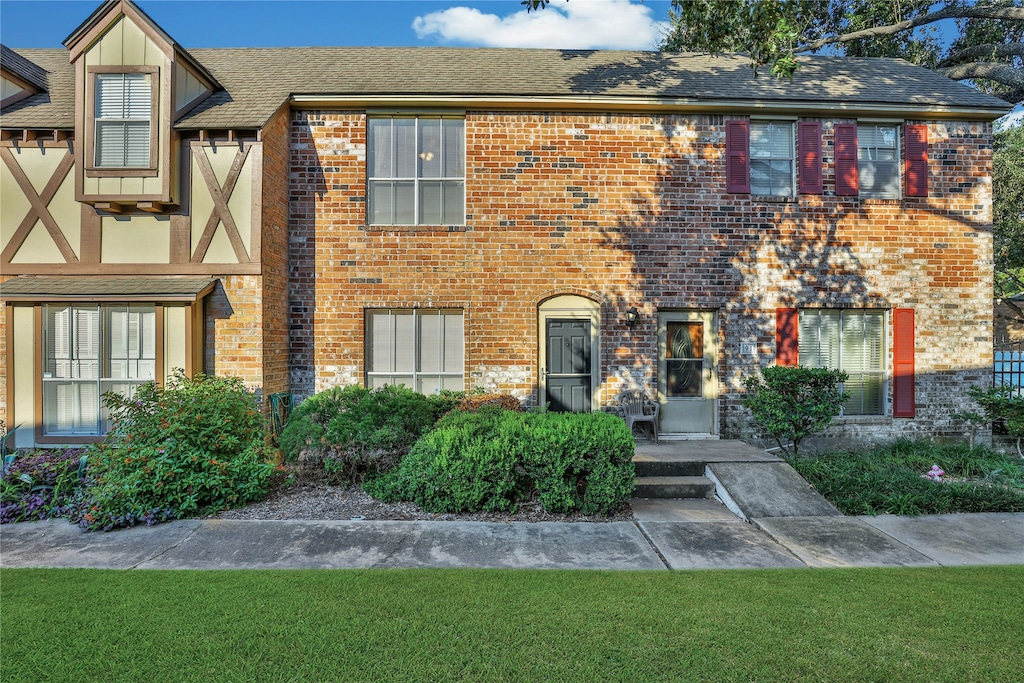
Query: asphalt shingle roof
x,y
258,81
56,288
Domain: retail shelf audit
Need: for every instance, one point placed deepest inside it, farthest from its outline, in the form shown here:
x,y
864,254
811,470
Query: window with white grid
x,y
878,161
88,351
419,348
771,158
124,109
416,170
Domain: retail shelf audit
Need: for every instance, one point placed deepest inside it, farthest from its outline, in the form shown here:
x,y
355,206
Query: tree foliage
x,y
989,48
1008,212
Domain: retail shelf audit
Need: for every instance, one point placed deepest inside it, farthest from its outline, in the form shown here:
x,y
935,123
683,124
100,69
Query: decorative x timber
x,y
39,210
220,195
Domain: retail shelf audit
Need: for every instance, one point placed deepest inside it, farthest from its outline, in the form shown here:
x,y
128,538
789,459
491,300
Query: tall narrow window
x,y
419,348
88,351
416,171
124,108
878,161
851,340
771,158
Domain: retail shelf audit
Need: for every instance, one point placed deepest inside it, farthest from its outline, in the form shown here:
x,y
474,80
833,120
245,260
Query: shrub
x,y
356,432
1003,408
41,484
494,459
792,402
475,402
193,447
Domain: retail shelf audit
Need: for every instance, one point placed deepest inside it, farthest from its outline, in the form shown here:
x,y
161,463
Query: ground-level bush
x,y
193,447
494,459
892,479
355,432
41,484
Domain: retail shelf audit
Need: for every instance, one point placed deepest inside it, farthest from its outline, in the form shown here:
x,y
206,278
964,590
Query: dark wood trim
x,y
9,365
211,269
178,115
158,375
151,207
17,97
108,298
81,134
37,360
164,120
39,207
181,238
155,122
61,138
109,207
220,196
92,235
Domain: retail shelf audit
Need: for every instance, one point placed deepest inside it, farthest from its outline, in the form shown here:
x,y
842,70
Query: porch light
x,y
632,315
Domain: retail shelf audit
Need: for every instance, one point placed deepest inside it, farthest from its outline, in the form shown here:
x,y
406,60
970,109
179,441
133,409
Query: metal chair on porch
x,y
636,407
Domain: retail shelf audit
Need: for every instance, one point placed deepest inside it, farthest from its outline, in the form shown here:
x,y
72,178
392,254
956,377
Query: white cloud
x,y
579,24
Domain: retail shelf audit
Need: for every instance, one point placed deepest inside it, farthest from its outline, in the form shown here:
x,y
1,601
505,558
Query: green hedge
x,y
495,459
355,432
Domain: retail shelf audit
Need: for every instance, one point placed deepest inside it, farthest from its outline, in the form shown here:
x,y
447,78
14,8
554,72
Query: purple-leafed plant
x,y
41,484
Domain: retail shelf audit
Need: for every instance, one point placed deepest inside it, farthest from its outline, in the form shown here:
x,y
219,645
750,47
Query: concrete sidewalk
x,y
767,517
702,543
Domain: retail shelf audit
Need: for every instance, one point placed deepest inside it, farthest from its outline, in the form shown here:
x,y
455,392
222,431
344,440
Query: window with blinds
x,y
878,161
416,171
124,107
88,351
419,348
852,340
771,158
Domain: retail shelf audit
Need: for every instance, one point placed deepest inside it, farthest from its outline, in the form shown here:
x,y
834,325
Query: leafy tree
x,y
989,50
1008,213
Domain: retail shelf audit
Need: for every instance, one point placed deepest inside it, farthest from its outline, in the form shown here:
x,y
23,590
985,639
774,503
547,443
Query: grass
x,y
889,479
921,624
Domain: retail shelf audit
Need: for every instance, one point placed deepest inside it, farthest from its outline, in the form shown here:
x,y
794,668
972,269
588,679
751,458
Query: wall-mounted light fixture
x,y
632,315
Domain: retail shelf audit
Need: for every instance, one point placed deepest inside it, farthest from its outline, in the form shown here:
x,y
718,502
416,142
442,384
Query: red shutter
x,y
847,183
903,362
809,137
917,161
786,337
737,157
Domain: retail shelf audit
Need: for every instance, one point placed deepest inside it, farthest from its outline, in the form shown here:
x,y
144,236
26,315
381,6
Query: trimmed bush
x,y
494,459
193,447
356,432
793,402
475,402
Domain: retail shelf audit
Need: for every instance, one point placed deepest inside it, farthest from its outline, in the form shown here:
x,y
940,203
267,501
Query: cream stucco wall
x,y
135,239
174,340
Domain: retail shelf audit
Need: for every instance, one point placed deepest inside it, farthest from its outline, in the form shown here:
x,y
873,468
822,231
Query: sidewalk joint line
x,y
650,542
168,548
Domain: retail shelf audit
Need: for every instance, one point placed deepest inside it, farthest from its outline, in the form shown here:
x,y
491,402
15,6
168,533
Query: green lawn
x,y
929,624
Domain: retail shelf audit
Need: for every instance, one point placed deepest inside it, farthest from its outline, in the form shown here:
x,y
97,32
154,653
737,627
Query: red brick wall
x,y
274,254
632,210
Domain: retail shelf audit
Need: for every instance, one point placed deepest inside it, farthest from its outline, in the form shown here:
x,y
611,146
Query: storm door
x,y
569,372
687,372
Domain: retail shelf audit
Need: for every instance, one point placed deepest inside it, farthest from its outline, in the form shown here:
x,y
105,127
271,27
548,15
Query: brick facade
x,y
631,209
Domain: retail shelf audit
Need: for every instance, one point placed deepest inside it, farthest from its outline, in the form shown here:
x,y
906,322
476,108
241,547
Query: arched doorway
x,y
569,330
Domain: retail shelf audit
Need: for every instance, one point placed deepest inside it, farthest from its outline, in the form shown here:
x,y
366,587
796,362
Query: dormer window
x,y
124,118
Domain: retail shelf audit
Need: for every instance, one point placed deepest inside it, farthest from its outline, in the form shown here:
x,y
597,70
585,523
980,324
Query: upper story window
x,y
124,111
771,158
878,161
416,170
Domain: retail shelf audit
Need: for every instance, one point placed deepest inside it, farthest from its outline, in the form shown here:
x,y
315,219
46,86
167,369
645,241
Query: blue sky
x,y
618,24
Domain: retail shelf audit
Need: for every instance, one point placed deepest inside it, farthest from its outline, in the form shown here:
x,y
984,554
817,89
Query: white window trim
x,y
416,373
416,179
772,123
897,161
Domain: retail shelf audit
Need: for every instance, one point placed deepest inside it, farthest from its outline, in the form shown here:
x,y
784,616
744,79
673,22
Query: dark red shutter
x,y
737,157
847,183
903,362
917,161
809,137
787,337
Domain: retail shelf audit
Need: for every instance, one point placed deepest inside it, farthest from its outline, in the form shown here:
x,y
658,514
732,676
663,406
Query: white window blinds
x,y
850,340
123,110
771,158
421,349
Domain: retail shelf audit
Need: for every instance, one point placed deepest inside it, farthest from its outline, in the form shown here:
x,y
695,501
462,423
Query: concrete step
x,y
674,487
668,468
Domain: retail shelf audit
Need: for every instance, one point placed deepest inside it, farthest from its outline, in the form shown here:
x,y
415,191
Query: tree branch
x,y
988,50
955,12
993,71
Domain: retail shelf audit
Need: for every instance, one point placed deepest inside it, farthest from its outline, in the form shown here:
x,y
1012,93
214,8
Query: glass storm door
x,y
569,371
687,372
